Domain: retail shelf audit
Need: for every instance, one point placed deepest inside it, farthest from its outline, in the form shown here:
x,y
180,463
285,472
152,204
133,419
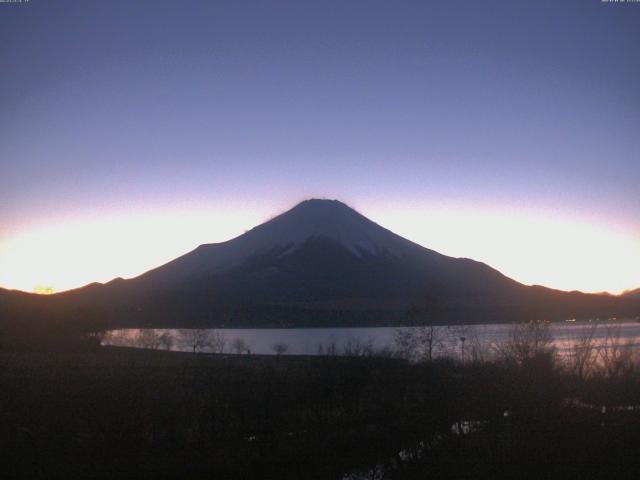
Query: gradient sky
x,y
505,131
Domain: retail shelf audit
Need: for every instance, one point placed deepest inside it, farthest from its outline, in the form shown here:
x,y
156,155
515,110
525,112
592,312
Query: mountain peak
x,y
313,219
330,219
321,206
322,203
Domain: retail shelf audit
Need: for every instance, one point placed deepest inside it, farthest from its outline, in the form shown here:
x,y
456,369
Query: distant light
x,y
43,290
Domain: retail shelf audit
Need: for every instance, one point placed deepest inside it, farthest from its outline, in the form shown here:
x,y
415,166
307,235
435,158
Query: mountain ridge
x,y
321,263
633,293
310,218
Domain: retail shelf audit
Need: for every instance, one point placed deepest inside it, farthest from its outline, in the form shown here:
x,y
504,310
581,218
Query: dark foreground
x,y
117,413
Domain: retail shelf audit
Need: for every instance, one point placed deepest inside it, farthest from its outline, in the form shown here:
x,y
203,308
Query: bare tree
x,y
197,339
420,343
358,348
328,350
405,342
218,341
527,341
617,359
429,339
239,345
148,338
280,348
465,343
583,354
166,340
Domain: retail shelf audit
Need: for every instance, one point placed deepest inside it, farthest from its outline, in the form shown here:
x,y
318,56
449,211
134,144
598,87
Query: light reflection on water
x,y
314,341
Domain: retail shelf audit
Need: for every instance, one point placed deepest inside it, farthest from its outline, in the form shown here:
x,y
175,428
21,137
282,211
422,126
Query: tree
x,y
618,359
218,341
280,348
464,342
239,345
527,341
196,339
583,355
149,338
166,340
429,338
328,350
358,348
404,340
419,343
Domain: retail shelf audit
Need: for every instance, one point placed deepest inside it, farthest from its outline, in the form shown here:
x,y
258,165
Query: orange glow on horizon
x,y
43,290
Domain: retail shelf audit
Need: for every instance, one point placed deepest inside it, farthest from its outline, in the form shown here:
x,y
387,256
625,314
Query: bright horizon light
x,y
131,136
532,248
68,255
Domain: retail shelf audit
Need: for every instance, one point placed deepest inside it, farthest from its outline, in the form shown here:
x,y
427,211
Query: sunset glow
x,y
577,255
531,248
73,254
337,239
123,147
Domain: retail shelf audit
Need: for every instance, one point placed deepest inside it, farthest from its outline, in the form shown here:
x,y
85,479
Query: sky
x,y
504,131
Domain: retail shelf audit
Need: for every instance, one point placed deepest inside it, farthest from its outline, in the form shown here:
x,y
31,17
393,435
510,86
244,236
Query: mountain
x,y
319,264
321,250
632,293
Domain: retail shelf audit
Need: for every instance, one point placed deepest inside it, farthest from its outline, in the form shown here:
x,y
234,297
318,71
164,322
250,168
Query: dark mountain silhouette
x,y
320,263
632,293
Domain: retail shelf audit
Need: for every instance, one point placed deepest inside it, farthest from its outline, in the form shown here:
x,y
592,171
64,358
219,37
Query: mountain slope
x,y
321,237
632,293
322,263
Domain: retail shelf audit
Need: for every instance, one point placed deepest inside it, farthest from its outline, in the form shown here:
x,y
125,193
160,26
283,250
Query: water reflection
x,y
475,342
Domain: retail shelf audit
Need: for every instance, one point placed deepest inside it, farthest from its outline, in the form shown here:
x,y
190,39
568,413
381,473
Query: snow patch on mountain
x,y
310,219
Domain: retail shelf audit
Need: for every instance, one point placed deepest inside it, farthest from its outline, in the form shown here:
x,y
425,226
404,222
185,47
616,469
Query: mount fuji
x,y
324,264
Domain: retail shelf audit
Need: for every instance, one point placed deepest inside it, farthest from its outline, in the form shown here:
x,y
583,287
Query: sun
x,y
43,289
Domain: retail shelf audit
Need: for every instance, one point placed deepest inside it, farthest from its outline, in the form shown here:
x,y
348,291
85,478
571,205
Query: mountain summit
x,y
311,221
329,219
321,263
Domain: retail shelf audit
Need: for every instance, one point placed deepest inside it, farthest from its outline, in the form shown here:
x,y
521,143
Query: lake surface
x,y
456,339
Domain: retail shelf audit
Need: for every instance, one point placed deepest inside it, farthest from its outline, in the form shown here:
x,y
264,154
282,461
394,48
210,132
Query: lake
x,y
456,339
